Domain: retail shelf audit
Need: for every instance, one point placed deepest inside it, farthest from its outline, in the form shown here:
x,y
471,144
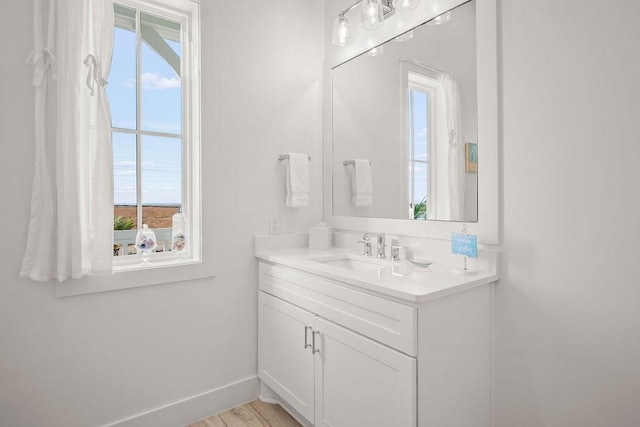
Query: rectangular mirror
x,y
405,125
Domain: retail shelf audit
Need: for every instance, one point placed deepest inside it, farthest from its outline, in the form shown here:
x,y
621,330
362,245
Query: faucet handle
x,y
367,247
395,252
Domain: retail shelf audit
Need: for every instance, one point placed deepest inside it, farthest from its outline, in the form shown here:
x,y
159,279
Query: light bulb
x,y
440,19
372,14
405,4
376,51
404,37
342,34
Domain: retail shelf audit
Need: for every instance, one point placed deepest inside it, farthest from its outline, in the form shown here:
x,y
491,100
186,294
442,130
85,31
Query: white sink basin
x,y
350,263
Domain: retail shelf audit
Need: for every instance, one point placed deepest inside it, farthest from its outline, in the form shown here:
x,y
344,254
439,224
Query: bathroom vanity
x,y
348,340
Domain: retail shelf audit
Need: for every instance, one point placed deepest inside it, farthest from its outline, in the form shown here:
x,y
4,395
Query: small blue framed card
x,y
464,244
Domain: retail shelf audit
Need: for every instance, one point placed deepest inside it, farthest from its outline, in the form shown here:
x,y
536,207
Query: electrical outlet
x,y
274,225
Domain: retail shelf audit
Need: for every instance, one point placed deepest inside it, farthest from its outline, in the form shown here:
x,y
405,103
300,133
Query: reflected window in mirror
x,y
421,104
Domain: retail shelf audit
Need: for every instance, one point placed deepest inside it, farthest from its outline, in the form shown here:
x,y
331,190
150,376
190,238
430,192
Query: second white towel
x,y
361,183
297,180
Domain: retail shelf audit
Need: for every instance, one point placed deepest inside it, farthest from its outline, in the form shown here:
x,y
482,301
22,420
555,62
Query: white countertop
x,y
402,280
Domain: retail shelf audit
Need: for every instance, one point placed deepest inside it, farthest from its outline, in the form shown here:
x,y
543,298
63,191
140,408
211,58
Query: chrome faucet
x,y
380,240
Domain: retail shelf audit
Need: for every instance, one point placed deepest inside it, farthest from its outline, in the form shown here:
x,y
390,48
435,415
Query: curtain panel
x,y
456,148
71,227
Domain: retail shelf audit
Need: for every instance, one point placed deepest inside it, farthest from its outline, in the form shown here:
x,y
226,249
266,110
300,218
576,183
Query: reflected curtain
x,y
456,148
71,226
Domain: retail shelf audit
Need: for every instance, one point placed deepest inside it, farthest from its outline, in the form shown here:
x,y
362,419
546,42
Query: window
x,y
421,98
153,96
418,153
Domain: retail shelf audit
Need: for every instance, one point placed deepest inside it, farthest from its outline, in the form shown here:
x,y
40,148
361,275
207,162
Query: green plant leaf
x,y
420,209
123,223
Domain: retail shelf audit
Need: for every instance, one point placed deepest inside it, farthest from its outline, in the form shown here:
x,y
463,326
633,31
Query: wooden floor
x,y
252,414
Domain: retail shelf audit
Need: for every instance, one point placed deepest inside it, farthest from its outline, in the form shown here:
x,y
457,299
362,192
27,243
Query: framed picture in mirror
x,y
471,157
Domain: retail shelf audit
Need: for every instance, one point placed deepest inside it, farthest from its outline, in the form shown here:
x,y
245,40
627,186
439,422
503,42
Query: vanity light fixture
x,y
405,4
342,33
372,16
440,19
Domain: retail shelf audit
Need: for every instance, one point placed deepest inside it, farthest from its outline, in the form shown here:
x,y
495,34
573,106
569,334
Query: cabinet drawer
x,y
385,321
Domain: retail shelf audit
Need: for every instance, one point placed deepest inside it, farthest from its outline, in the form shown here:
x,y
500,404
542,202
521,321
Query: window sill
x,y
157,260
133,275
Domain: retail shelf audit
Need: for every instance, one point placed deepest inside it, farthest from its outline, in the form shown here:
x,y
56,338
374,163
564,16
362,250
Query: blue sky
x,y
160,108
419,144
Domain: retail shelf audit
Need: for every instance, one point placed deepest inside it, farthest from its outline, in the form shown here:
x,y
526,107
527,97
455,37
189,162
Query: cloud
x,y
154,81
123,164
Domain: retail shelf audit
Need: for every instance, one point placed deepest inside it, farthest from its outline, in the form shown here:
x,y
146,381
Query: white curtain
x,y
456,148
71,228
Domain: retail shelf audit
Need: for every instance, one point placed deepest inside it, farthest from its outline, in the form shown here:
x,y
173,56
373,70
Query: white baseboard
x,y
186,411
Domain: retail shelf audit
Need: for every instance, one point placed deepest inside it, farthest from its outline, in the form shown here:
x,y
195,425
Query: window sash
x,y
187,26
411,160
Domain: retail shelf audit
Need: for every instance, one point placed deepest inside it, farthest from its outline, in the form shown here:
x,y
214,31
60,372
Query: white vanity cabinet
x,y
360,382
285,359
331,375
344,357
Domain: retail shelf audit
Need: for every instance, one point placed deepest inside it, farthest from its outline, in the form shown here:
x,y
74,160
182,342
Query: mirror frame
x,y
487,228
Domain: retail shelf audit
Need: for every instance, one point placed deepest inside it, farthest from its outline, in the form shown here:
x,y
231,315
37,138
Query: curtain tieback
x,y
94,75
452,138
42,59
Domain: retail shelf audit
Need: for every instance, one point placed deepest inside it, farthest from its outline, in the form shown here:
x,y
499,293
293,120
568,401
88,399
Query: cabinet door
x,y
284,364
360,382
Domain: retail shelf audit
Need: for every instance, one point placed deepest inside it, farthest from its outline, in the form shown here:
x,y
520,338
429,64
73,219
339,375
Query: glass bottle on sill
x,y
178,233
145,242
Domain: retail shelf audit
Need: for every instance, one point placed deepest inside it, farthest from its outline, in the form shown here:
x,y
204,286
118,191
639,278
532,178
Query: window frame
x,y
416,76
167,267
190,137
410,159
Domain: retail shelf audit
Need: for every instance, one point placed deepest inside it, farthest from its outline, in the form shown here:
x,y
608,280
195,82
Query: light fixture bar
x,y
350,8
387,7
373,15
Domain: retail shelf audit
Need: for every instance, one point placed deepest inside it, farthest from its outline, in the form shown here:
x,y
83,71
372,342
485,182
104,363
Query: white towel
x,y
298,180
361,184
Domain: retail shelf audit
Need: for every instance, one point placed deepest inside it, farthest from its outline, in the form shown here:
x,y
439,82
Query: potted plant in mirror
x,y
420,209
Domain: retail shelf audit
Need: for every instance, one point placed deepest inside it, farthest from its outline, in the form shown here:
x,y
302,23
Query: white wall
x,y
567,322
567,315
90,360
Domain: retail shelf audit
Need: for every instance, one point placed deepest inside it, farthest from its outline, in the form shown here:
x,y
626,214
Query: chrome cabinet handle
x,y
306,337
313,342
